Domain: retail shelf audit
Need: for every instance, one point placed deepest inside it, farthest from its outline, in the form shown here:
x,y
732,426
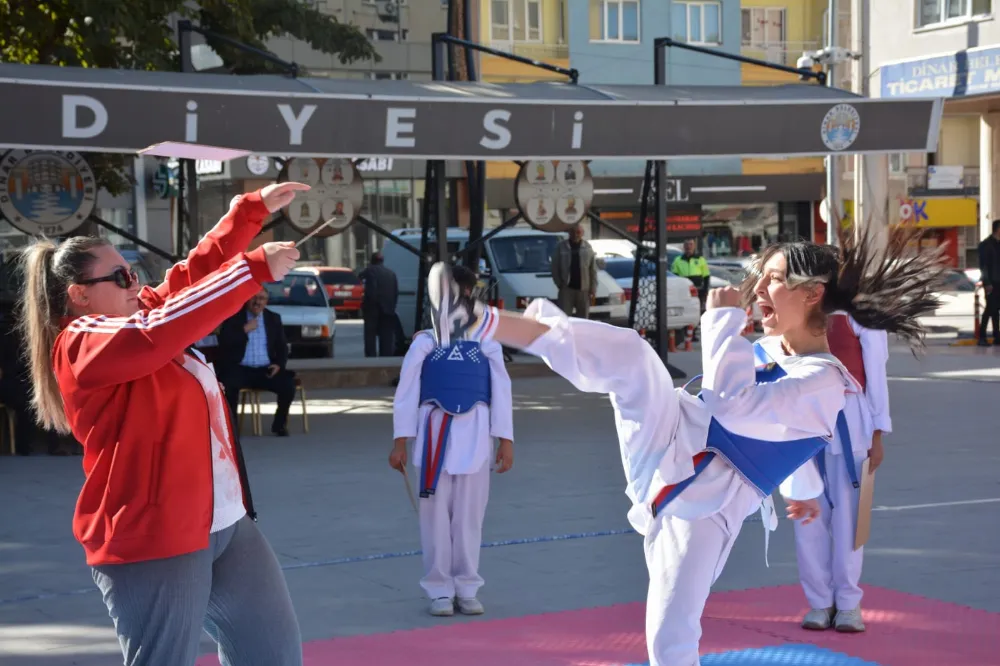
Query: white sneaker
x,y
470,606
818,619
849,621
443,607
452,313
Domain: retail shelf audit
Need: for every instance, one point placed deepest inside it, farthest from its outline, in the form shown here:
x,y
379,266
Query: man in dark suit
x,y
378,307
252,354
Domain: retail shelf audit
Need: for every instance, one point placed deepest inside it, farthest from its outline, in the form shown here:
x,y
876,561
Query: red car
x,y
343,288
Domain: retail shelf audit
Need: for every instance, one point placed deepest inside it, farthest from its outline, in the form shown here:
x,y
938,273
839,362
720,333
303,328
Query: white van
x,y
518,259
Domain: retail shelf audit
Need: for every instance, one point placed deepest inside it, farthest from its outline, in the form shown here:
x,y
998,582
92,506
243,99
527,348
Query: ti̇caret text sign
x,y
121,118
970,72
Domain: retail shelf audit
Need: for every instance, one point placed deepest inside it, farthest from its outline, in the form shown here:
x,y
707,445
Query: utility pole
x,y
871,172
832,189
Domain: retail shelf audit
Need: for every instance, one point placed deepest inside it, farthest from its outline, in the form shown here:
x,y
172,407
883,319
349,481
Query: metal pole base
x,y
675,372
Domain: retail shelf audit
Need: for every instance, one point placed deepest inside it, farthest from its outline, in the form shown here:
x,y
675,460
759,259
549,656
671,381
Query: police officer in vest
x,y
694,267
453,399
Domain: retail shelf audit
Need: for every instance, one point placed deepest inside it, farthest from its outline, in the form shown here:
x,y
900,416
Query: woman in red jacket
x,y
164,516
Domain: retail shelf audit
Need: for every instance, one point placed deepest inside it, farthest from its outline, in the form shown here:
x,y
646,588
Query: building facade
x,y
948,49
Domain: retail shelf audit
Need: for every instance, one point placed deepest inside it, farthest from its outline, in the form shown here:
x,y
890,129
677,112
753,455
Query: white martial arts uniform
x,y
829,567
660,430
451,520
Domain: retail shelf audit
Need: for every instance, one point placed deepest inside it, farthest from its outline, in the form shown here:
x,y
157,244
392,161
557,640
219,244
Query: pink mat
x,y
903,630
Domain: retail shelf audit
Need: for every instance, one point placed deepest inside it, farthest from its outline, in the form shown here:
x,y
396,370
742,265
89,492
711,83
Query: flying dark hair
x,y
874,277
464,277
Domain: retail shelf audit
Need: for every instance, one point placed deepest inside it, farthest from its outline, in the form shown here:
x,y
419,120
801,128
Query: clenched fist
x,y
726,297
279,195
281,258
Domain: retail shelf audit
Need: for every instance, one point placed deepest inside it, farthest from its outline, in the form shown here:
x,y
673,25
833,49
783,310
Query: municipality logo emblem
x,y
840,127
46,193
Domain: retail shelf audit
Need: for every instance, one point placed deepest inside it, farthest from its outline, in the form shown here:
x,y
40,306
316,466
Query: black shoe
x,y
983,342
452,313
279,432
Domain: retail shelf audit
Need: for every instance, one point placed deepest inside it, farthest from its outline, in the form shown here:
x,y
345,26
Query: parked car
x,y
683,308
344,290
518,261
310,323
723,272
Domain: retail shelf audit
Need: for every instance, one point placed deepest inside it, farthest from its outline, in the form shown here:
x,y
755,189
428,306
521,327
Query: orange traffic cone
x,y
688,338
672,344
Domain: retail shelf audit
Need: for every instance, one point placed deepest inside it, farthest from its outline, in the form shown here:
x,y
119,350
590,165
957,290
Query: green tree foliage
x,y
141,34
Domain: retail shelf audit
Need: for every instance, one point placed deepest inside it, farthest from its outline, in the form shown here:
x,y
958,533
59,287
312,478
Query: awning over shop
x,y
124,111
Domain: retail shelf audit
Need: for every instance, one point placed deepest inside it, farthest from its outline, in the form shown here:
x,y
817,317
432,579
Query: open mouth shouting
x,y
766,312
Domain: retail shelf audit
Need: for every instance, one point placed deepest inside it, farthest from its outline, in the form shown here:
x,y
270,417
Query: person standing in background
x,y
829,566
378,307
989,269
574,270
693,266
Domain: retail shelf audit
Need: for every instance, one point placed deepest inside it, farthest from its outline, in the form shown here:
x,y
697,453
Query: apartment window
x,y
897,164
515,21
932,12
763,26
377,35
614,20
697,22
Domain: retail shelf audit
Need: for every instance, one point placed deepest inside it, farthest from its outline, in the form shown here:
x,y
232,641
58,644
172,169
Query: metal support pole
x,y
439,60
639,247
188,175
660,171
427,213
832,186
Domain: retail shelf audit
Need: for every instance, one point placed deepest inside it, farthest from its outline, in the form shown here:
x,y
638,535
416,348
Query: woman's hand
x,y
725,297
804,510
279,195
281,258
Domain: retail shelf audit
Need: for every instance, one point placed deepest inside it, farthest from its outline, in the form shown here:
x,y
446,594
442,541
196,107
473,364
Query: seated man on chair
x,y
252,354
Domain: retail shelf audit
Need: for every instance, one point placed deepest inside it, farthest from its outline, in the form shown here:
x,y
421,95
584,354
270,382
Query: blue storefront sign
x,y
971,72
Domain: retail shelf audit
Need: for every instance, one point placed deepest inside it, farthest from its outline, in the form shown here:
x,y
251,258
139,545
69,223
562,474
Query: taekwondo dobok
x,y
697,466
452,401
829,567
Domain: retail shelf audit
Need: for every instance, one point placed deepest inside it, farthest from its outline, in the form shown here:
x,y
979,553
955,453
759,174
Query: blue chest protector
x,y
456,378
766,464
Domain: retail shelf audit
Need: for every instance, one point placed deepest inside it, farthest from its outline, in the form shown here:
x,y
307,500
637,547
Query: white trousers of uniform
x,y
684,558
829,567
451,533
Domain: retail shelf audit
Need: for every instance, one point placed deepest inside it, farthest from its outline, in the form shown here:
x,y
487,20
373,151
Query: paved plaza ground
x,y
565,576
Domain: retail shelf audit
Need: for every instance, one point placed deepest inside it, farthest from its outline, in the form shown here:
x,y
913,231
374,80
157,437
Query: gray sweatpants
x,y
234,589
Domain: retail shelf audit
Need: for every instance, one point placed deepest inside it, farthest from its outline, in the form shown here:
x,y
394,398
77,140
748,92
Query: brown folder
x,y
863,525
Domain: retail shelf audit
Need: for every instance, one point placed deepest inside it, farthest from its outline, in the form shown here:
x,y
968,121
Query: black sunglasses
x,y
121,276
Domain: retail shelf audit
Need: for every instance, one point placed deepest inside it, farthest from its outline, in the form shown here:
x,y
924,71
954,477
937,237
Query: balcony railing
x,y
781,53
533,50
916,181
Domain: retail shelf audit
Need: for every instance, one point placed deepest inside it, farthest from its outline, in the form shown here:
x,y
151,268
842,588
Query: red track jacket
x,y
142,418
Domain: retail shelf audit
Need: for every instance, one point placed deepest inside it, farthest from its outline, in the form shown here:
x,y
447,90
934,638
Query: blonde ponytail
x,y
48,272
